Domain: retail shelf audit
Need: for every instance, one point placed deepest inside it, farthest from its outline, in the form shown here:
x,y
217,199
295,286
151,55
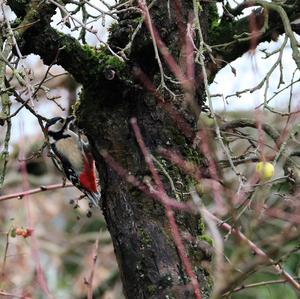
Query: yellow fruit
x,y
265,170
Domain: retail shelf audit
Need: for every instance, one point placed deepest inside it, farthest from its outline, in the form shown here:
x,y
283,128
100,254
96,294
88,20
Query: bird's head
x,y
58,124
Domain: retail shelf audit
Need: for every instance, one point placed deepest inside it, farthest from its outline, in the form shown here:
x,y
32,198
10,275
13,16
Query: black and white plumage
x,y
74,157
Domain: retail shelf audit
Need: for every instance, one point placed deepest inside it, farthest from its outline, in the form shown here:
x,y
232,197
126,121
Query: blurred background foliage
x,y
65,235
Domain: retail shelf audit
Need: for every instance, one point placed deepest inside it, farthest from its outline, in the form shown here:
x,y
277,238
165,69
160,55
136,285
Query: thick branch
x,y
234,37
35,35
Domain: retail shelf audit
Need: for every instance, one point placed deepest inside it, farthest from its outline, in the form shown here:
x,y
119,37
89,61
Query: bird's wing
x,y
88,176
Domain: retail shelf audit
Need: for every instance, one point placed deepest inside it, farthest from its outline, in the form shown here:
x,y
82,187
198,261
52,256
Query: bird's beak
x,y
47,125
70,119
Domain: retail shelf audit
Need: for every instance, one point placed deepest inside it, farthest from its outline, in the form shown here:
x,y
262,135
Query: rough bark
x,y
148,260
149,263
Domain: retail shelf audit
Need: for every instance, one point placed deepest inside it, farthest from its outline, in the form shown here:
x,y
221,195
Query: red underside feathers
x,y
87,177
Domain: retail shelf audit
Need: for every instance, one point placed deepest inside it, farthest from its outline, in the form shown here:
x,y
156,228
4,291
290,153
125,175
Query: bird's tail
x,y
94,198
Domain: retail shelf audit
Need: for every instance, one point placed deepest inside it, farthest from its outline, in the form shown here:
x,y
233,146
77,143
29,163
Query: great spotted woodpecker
x,y
74,157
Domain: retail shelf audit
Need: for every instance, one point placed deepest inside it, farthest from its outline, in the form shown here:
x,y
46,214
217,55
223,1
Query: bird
x,y
73,157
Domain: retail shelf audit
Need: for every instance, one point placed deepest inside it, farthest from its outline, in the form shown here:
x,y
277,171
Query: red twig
x,y
20,195
285,216
34,247
289,279
162,47
203,146
156,195
179,121
90,280
170,214
187,131
5,294
188,167
179,21
146,154
187,82
254,29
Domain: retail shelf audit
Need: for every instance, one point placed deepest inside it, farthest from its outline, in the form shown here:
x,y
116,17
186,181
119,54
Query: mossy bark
x,y
149,263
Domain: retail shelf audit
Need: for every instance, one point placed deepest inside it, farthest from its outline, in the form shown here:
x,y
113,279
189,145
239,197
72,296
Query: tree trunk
x,y
149,263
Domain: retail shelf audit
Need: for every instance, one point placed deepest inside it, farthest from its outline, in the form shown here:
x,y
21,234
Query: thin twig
x,y
288,278
20,195
6,294
89,282
255,285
